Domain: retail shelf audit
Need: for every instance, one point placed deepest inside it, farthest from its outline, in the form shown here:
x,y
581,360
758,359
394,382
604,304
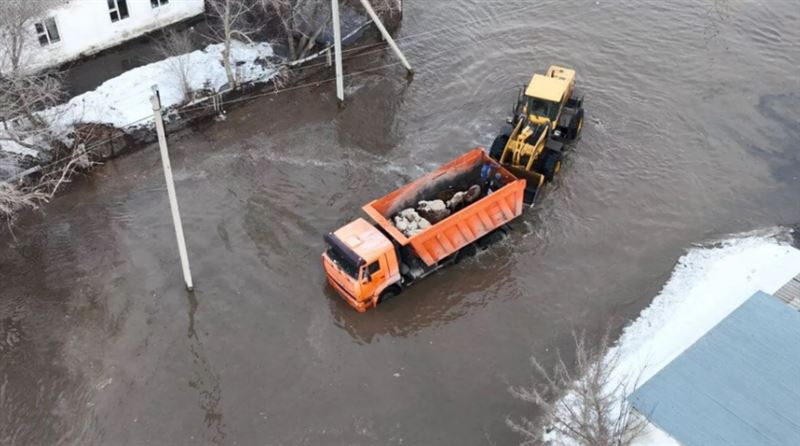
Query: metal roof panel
x,y
738,384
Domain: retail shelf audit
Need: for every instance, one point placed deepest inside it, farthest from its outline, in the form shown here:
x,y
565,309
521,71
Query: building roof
x,y
739,384
790,293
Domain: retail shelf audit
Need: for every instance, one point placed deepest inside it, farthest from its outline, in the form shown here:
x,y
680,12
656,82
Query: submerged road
x,y
692,133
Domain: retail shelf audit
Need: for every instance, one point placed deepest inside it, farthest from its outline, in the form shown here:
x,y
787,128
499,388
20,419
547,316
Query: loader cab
x,y
546,94
360,262
542,108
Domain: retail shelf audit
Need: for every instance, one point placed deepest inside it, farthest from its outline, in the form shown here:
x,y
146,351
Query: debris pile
x,y
412,221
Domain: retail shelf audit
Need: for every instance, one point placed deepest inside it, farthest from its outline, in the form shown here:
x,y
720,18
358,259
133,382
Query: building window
x,y
118,9
157,3
47,32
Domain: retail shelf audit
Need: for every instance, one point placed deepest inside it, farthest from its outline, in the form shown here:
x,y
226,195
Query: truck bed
x,y
462,227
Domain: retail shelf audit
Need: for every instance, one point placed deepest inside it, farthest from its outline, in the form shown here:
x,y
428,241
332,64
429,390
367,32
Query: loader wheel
x,y
575,130
551,165
496,151
576,100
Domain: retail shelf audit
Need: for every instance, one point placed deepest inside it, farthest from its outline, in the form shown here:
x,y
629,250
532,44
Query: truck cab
x,y
360,263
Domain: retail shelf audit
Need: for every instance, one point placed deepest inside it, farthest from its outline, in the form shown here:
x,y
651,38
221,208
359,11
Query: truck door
x,y
371,277
377,271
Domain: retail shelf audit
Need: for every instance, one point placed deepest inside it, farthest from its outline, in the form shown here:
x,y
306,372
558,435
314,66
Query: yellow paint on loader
x,y
540,116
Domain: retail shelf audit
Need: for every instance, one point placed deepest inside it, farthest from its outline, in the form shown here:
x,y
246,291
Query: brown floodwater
x,y
692,133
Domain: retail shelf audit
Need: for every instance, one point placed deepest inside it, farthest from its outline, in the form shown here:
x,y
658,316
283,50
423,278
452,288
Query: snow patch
x,y
124,101
16,148
707,285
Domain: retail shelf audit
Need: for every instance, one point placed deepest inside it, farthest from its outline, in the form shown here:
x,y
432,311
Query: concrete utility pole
x,y
173,199
386,35
337,44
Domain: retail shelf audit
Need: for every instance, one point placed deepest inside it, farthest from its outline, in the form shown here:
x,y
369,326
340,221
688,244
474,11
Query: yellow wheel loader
x,y
548,114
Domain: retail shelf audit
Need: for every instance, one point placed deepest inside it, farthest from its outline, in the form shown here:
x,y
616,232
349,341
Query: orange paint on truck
x,y
368,262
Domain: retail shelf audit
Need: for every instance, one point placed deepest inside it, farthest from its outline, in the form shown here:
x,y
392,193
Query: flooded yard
x,y
692,133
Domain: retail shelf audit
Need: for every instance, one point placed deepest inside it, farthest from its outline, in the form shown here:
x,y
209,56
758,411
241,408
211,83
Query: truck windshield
x,y
543,108
342,260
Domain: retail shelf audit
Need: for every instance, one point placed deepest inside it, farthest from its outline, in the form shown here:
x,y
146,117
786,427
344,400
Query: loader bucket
x,y
534,182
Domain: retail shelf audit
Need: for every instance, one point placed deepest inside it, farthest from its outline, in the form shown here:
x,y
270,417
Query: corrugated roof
x,y
790,293
738,385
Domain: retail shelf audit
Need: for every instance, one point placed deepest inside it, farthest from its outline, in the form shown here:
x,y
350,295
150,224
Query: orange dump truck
x,y
370,262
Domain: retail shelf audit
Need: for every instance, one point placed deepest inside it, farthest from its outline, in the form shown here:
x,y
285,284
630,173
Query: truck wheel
x,y
491,238
467,251
387,294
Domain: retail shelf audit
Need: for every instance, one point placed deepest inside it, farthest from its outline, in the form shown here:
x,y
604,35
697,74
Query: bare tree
x,y
587,406
303,21
17,196
22,96
13,198
22,92
176,48
17,19
233,22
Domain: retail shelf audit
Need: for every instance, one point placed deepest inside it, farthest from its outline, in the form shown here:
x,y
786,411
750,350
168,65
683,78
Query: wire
x,y
431,33
89,149
295,87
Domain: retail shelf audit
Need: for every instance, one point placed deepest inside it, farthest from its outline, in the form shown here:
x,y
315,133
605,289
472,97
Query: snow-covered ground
x,y
123,101
707,284
11,154
16,148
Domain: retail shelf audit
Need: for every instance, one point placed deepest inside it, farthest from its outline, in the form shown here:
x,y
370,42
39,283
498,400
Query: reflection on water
x,y
433,302
686,140
205,380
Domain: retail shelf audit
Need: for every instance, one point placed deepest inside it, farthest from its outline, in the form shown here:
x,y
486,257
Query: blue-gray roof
x,y
738,385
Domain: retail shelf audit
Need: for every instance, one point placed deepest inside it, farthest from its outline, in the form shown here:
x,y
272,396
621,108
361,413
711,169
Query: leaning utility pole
x,y
173,199
386,35
337,43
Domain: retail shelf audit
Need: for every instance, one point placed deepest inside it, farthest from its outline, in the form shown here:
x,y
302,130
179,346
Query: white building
x,y
77,28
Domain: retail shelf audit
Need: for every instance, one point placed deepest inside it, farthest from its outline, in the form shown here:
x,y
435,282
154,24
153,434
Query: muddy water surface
x,y
692,133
